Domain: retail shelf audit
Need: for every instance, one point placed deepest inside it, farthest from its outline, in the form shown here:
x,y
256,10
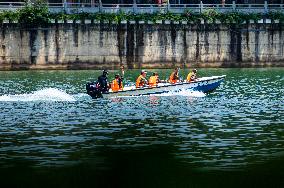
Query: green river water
x,y
54,135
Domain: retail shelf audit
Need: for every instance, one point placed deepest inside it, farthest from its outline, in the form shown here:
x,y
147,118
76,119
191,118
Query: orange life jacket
x,y
173,78
140,82
153,81
191,77
115,85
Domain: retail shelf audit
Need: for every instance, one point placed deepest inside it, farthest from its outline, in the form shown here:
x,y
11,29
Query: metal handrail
x,y
149,8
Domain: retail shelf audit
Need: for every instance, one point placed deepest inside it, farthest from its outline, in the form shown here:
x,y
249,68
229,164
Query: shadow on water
x,y
151,166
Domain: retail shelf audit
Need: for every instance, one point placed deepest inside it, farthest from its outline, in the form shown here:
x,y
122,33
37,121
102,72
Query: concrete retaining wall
x,y
79,46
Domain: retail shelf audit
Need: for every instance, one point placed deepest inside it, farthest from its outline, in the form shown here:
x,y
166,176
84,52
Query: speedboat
x,y
203,84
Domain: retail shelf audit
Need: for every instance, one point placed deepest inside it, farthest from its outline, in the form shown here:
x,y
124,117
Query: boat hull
x,y
205,85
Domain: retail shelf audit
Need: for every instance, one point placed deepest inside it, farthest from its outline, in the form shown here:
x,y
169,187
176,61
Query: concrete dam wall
x,y
84,46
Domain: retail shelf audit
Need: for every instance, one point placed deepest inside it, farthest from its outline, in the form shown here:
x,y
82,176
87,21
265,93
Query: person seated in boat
x,y
116,84
192,76
103,82
141,81
174,77
154,80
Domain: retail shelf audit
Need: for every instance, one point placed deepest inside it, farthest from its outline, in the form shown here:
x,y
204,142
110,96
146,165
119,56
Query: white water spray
x,y
48,94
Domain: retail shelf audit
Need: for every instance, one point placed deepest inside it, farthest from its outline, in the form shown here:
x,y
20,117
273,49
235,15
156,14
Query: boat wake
x,y
53,94
48,94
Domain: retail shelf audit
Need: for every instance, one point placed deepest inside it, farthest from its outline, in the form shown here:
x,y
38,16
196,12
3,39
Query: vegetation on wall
x,y
32,15
36,14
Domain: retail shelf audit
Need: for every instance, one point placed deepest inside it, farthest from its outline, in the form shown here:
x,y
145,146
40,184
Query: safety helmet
x,y
143,71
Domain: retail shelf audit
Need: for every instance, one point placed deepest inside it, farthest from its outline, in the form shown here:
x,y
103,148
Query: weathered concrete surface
x,y
71,46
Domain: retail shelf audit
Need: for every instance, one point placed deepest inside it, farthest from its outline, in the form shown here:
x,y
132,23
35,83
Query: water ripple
x,y
239,124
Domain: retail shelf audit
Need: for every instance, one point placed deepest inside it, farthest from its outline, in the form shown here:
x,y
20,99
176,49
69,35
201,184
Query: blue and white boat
x,y
204,84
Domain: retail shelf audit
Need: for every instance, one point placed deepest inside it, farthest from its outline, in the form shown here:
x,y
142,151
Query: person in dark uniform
x,y
104,85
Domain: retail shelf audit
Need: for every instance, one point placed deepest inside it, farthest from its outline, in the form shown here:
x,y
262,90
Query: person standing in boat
x,y
192,76
174,77
141,81
116,84
154,80
103,82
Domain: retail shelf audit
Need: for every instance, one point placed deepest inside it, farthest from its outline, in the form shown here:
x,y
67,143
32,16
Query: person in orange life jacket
x,y
174,77
141,81
116,84
192,76
154,80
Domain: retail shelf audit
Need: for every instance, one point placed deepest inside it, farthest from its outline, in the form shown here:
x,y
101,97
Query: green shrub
x,y
232,17
252,16
275,15
190,16
59,16
9,15
34,15
210,15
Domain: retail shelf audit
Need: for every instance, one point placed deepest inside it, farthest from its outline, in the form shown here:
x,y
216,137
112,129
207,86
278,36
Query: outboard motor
x,y
93,89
